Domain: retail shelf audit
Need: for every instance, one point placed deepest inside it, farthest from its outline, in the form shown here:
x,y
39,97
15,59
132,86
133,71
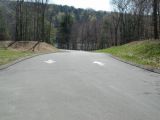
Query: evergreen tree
x,y
65,30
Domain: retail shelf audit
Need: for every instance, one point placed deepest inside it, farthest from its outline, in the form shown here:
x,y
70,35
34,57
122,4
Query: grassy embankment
x,y
21,49
140,52
7,56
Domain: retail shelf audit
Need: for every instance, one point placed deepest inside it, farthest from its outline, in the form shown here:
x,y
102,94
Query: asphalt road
x,y
76,85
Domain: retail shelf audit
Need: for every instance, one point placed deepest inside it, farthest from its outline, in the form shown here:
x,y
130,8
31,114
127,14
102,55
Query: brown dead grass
x,y
143,41
42,47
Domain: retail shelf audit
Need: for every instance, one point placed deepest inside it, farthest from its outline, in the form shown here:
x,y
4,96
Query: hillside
x,y
54,15
32,46
17,50
77,29
88,21
141,52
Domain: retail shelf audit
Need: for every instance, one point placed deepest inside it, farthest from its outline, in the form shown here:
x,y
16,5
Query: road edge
x,y
136,65
5,66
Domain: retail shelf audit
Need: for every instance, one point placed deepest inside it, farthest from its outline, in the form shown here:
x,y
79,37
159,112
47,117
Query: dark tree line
x,y
135,20
3,28
155,17
31,21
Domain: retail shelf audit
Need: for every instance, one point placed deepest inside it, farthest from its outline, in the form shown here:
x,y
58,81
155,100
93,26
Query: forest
x,y
79,29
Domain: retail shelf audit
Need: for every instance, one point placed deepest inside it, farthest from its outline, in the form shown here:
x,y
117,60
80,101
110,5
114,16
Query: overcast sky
x,y
94,4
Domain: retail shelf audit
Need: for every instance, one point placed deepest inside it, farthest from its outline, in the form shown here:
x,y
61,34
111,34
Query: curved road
x,y
75,85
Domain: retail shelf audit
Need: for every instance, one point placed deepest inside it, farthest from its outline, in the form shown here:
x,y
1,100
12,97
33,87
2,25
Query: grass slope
x,y
22,49
141,52
10,55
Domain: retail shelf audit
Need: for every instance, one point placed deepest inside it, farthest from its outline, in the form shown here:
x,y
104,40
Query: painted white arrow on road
x,y
99,63
50,61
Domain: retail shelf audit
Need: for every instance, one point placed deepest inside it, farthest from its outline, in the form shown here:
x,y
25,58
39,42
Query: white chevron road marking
x,y
98,63
50,61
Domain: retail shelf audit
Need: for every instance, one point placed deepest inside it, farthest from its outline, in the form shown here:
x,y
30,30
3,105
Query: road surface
x,y
75,85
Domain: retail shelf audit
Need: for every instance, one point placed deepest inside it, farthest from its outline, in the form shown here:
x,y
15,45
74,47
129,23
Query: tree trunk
x,y
155,20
